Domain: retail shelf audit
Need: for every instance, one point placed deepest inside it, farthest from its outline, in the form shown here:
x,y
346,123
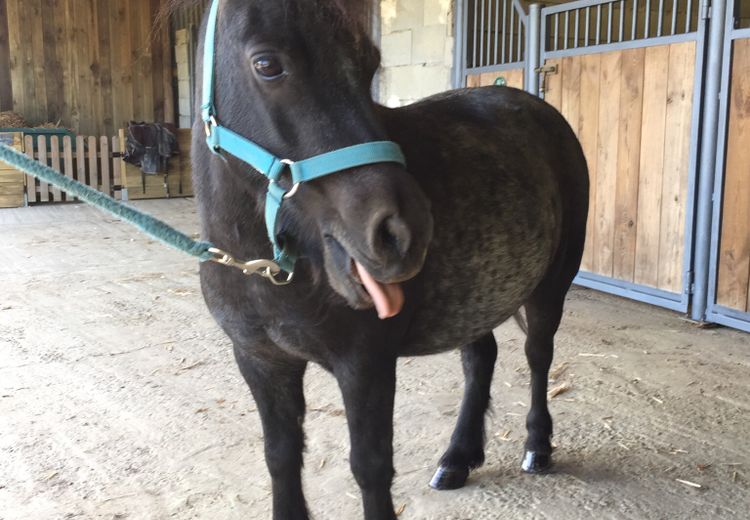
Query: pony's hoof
x,y
535,462
449,478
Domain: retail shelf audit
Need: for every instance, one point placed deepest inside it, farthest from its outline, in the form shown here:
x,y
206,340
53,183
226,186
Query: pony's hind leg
x,y
276,385
466,449
543,314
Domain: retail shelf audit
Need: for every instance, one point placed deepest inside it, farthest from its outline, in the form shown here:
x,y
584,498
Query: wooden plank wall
x,y
734,247
92,65
6,93
632,112
513,77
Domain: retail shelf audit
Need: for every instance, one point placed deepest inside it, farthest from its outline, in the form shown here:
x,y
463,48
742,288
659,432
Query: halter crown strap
x,y
207,108
221,139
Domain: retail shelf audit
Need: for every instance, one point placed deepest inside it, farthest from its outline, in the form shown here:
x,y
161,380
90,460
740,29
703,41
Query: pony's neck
x,y
233,201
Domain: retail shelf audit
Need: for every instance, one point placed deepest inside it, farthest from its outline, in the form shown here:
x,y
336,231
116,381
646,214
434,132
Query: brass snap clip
x,y
268,269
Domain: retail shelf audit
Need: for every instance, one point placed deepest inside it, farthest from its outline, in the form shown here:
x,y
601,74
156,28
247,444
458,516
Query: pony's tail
x,y
521,321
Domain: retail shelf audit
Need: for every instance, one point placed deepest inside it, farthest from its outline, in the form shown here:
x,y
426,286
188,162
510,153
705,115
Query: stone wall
x,y
417,49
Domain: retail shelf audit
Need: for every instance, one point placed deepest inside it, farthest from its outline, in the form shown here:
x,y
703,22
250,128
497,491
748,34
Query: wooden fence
x,y
93,161
11,180
98,162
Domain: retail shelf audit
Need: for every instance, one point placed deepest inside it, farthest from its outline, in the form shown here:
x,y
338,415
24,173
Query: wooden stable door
x,y
733,288
632,111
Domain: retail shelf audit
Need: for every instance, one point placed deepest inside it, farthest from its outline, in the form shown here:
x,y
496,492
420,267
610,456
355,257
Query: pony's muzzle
x,y
394,243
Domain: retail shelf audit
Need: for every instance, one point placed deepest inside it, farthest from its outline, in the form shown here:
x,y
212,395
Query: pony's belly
x,y
433,333
466,296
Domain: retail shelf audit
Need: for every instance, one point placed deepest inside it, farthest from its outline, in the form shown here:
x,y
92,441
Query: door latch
x,y
544,70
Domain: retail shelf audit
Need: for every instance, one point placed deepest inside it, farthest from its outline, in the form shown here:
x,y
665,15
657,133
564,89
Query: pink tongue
x,y
388,298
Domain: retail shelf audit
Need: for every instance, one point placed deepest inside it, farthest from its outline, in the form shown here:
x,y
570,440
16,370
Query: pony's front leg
x,y
276,385
368,385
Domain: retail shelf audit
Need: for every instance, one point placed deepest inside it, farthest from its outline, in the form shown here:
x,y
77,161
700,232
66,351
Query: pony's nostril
x,y
393,235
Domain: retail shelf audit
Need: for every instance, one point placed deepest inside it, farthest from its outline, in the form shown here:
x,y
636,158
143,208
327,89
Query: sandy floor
x,y
119,399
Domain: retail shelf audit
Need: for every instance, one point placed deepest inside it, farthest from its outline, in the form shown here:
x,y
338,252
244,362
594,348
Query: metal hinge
x,y
705,9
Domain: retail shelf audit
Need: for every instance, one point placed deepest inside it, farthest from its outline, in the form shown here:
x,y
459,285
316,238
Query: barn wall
x,y
6,94
417,49
92,65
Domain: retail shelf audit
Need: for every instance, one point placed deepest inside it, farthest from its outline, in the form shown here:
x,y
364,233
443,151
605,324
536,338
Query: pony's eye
x,y
268,67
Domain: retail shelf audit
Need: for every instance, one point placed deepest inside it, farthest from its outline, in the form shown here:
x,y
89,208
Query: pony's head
x,y
294,76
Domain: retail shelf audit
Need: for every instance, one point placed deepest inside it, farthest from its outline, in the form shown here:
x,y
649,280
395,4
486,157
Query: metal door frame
x,y
674,301
714,312
460,67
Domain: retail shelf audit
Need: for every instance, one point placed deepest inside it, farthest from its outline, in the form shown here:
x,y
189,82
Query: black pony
x,y
489,216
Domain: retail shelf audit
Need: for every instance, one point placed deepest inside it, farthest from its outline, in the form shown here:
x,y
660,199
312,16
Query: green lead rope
x,y
153,227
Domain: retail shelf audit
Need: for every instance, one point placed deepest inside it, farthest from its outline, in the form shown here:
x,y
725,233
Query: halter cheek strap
x,y
221,139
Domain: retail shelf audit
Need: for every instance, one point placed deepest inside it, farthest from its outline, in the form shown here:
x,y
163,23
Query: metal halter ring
x,y
293,191
208,124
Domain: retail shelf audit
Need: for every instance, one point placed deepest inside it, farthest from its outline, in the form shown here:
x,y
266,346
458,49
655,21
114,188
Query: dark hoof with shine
x,y
534,462
449,478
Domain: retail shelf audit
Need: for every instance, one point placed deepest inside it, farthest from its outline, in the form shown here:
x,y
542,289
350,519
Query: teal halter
x,y
221,139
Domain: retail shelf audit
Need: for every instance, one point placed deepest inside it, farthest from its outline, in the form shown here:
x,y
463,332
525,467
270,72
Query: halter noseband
x,y
220,138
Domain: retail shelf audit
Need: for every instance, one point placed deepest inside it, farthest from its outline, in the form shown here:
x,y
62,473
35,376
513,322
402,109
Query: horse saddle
x,y
150,145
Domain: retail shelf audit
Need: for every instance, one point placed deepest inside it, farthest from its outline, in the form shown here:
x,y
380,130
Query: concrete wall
x,y
417,48
184,74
